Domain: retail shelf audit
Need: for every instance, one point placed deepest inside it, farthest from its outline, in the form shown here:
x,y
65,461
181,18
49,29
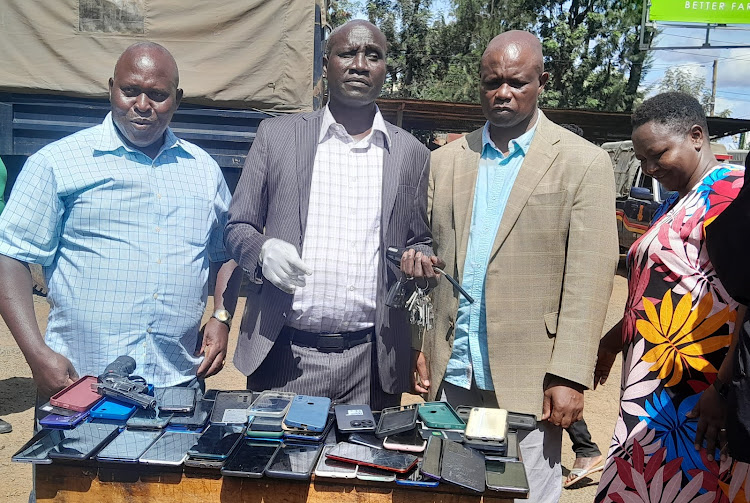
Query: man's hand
x,y
711,411
420,376
418,265
605,358
52,372
563,402
215,337
282,265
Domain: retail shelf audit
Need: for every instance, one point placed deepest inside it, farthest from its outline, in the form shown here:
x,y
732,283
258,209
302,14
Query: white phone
x,y
487,424
334,469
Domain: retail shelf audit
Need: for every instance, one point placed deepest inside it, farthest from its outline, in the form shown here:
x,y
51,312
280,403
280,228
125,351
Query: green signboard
x,y
686,11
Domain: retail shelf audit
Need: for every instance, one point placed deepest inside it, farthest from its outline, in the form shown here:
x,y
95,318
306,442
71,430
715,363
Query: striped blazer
x,y
271,201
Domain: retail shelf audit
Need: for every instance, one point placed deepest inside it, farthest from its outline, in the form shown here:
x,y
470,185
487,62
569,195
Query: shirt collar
x,y
326,129
111,140
522,142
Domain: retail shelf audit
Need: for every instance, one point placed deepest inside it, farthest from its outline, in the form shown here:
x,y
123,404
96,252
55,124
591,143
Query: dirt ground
x,y
17,392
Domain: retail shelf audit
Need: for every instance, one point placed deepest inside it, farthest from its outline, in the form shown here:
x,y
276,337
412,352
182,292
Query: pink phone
x,y
408,441
78,396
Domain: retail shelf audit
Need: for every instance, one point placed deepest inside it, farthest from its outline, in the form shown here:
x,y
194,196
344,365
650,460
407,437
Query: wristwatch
x,y
223,316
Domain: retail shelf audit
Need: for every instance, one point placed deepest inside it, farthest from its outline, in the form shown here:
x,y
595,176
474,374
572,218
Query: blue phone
x,y
308,413
63,422
112,410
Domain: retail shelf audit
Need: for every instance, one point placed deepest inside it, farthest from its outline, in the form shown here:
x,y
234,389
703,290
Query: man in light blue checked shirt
x,y
124,217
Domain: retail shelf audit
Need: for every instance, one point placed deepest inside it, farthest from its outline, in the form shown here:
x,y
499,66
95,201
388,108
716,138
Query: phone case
x,y
128,446
331,468
78,396
272,424
462,466
308,413
430,466
170,449
176,399
354,418
83,441
463,411
440,415
63,422
231,407
36,450
519,421
272,404
112,410
487,424
395,420
287,468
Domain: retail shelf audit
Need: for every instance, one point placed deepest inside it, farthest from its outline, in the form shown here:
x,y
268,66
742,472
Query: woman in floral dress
x,y
677,326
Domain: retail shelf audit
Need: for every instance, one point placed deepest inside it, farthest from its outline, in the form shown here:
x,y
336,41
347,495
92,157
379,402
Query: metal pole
x,y
713,88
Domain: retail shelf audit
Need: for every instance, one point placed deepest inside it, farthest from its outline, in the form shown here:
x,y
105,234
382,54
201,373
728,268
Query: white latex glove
x,y
282,265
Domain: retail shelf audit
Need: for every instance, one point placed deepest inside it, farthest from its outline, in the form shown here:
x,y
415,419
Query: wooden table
x,y
90,483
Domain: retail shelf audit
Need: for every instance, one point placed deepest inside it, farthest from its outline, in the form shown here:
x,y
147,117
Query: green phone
x,y
440,415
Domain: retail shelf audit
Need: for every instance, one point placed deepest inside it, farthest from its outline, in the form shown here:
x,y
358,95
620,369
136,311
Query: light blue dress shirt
x,y
495,178
125,243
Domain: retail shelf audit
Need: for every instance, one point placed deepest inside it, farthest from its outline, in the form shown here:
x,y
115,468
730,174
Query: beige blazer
x,y
551,267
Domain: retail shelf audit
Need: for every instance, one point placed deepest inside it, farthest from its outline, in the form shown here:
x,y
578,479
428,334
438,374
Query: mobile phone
x,y
63,422
271,404
395,420
519,421
462,466
249,459
170,449
193,420
294,434
507,476
269,424
217,441
112,410
430,466
294,461
37,449
375,474
83,441
211,464
487,424
440,415
511,452
368,439
308,413
334,469
128,446
416,479
149,419
176,399
78,396
231,407
488,446
354,418
409,441
393,461
463,411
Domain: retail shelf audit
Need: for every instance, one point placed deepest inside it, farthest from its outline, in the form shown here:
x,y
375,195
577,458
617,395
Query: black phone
x,y
432,456
83,441
368,439
409,441
170,449
37,449
147,419
250,459
507,476
354,418
196,419
211,464
231,407
217,441
462,466
294,461
519,421
261,423
176,399
128,446
395,420
392,461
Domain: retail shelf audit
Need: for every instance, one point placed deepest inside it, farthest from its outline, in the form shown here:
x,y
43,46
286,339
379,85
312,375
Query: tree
x,y
681,79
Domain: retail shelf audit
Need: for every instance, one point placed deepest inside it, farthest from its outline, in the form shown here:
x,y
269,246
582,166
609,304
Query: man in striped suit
x,y
321,197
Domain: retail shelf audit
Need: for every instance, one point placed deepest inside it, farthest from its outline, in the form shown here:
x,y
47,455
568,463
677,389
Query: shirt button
x,y
156,296
158,261
157,229
149,330
158,196
351,288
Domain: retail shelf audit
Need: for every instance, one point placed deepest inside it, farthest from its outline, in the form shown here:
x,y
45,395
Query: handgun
x,y
117,382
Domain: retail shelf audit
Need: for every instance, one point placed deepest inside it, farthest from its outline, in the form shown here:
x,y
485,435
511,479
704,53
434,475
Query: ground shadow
x,y
17,394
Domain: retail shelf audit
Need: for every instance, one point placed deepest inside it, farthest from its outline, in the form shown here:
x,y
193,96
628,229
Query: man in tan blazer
x,y
522,212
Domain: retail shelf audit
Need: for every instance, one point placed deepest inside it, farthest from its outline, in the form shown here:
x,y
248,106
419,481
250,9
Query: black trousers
x,y
583,446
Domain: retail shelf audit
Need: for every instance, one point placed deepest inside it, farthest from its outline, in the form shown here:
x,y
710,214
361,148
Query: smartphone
x,y
462,466
331,468
409,441
83,441
271,404
416,479
170,449
507,476
231,407
295,434
395,420
354,418
63,422
519,421
308,413
464,411
440,415
511,452
194,420
375,474
294,461
112,410
266,424
78,396
399,462
128,446
176,399
488,446
368,439
487,424
37,449
249,459
149,419
217,441
430,466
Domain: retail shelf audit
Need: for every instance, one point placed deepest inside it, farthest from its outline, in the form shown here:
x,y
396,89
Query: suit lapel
x,y
464,182
307,133
391,158
542,152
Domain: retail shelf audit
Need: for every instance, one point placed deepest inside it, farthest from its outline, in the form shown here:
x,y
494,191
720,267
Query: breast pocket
x,y
192,219
547,199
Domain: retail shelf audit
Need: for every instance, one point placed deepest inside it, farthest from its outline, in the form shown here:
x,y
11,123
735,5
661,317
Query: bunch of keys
x,y
419,306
